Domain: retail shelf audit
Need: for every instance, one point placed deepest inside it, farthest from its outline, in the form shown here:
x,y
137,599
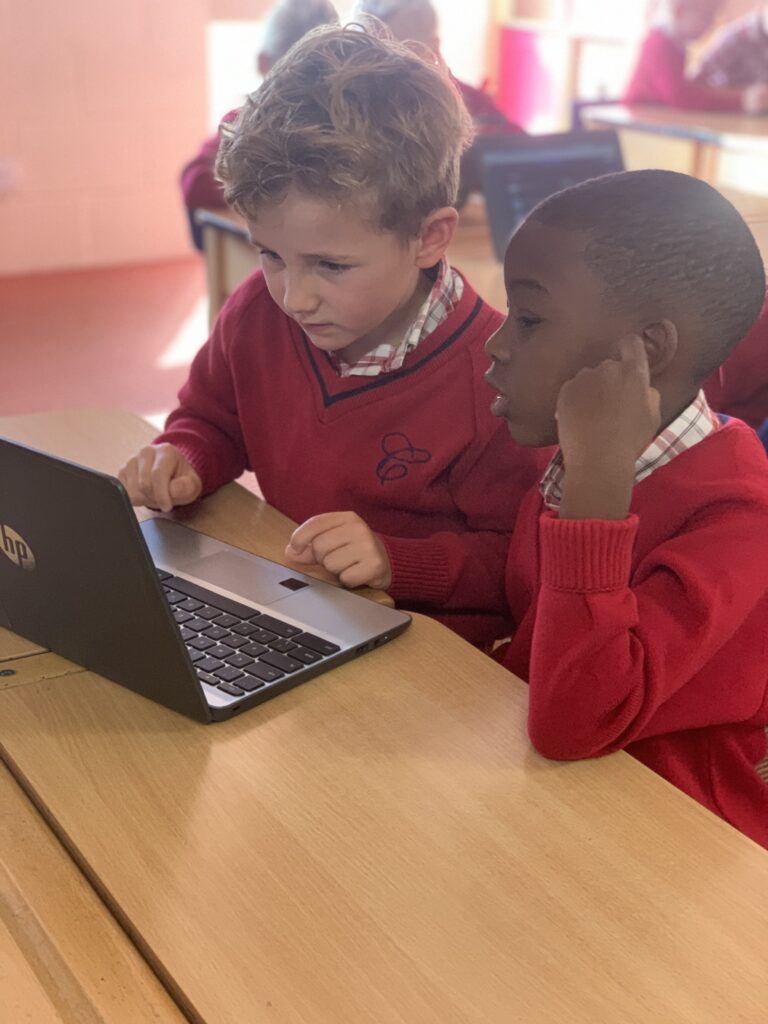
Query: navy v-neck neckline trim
x,y
382,380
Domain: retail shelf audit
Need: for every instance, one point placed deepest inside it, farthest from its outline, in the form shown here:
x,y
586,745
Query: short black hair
x,y
669,244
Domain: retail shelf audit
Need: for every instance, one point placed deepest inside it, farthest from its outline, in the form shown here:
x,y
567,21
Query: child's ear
x,y
435,236
661,341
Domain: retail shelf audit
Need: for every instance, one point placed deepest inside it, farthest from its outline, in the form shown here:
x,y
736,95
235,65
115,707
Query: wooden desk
x,y
695,142
64,958
382,846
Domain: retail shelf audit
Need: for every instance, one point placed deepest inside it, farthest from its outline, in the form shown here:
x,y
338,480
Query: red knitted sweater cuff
x,y
420,570
586,554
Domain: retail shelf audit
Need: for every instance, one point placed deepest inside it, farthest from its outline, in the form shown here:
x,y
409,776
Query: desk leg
x,y
213,246
705,161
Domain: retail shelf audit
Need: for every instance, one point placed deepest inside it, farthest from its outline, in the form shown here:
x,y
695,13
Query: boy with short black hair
x,y
348,373
638,569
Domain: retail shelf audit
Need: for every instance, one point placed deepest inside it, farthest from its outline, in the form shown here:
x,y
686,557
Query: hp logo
x,y
16,548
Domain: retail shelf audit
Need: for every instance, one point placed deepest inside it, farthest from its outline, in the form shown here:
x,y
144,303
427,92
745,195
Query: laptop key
x,y
228,673
305,656
201,643
226,621
235,641
197,624
181,616
194,655
316,643
215,632
172,596
266,672
244,628
239,660
187,634
249,684
254,650
281,661
189,604
219,651
205,677
283,646
229,688
208,664
280,628
224,604
162,574
207,612
263,636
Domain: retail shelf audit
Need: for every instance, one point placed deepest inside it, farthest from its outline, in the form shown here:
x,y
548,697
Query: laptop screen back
x,y
518,171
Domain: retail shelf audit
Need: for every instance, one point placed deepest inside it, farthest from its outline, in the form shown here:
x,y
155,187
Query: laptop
x,y
190,622
518,171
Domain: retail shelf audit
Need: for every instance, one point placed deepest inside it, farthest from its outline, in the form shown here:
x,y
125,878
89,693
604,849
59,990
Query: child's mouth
x,y
500,405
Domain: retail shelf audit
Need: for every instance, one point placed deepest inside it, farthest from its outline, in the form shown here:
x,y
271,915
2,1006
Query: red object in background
x,y
740,386
531,69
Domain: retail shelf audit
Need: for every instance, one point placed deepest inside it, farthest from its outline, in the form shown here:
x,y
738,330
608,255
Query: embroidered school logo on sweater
x,y
399,455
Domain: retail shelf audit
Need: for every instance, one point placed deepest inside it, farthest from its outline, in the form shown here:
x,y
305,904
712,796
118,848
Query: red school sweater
x,y
416,452
740,387
651,633
659,77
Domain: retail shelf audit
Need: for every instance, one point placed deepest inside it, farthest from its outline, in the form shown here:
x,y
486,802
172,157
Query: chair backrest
x,y
518,171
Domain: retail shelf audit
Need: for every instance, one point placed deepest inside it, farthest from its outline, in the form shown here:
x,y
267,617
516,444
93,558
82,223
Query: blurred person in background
x,y
287,23
738,56
660,74
416,21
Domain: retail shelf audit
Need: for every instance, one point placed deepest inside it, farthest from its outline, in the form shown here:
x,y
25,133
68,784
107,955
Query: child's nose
x,y
298,296
496,346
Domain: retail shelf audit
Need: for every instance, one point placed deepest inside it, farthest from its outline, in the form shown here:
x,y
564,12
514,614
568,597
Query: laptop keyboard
x,y
232,647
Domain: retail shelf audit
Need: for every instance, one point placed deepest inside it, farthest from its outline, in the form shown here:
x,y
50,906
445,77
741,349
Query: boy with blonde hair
x,y
347,373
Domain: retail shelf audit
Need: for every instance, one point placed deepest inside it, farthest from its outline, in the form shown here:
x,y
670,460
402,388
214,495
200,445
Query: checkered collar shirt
x,y
444,294
691,426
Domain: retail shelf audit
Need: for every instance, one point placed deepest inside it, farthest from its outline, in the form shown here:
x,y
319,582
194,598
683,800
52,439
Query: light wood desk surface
x,y
710,145
65,960
733,130
382,846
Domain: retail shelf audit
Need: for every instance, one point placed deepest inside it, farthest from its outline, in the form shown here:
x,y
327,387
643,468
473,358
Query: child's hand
x,y
754,99
160,477
346,546
606,418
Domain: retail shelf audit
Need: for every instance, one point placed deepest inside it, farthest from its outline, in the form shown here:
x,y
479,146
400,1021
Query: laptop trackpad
x,y
249,578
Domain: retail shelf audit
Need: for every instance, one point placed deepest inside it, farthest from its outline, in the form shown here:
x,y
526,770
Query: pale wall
x,y
102,102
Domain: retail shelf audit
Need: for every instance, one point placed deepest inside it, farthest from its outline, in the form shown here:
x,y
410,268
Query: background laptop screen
x,y
518,171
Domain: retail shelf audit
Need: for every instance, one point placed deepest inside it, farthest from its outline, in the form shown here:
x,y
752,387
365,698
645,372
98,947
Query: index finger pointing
x,y
632,350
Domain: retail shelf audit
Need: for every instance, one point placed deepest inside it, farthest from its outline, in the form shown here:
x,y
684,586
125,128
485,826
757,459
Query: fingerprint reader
x,y
292,584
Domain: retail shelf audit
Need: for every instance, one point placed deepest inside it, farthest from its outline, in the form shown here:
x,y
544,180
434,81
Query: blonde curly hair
x,y
349,116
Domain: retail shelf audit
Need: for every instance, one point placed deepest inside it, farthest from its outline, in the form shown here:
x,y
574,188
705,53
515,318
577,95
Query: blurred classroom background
x,y
103,300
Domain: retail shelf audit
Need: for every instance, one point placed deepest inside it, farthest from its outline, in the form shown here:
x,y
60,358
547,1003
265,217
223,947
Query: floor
x,y
118,337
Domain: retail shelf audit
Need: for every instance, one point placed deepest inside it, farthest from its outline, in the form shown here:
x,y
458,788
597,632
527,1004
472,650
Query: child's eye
x,y
527,323
334,268
269,255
